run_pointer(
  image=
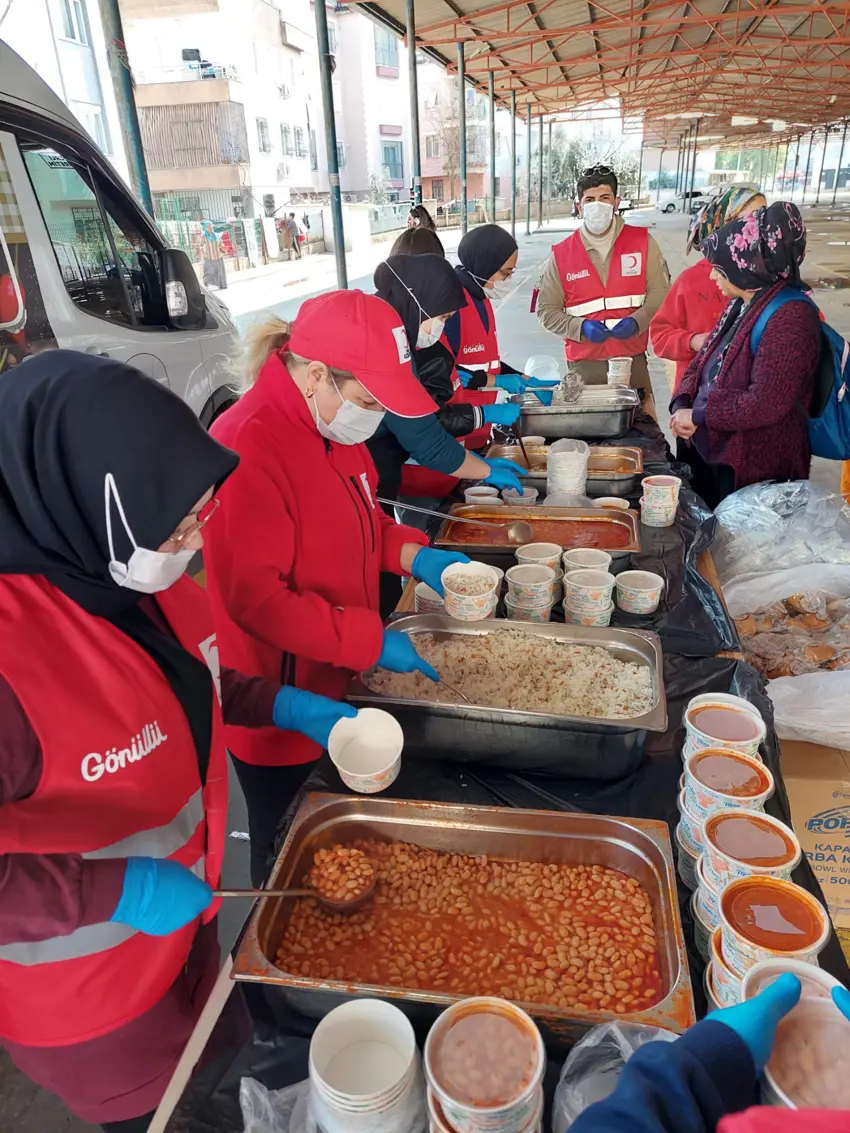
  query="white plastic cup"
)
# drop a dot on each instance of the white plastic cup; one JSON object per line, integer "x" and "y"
{"x": 708, "y": 898}
{"x": 657, "y": 515}
{"x": 639, "y": 591}
{"x": 702, "y": 930}
{"x": 588, "y": 590}
{"x": 686, "y": 861}
{"x": 691, "y": 824}
{"x": 616, "y": 502}
{"x": 696, "y": 739}
{"x": 527, "y": 613}
{"x": 548, "y": 553}
{"x": 702, "y": 799}
{"x": 619, "y": 371}
{"x": 721, "y": 868}
{"x": 727, "y": 982}
{"x": 535, "y": 442}
{"x": 600, "y": 617}
{"x": 661, "y": 490}
{"x": 513, "y": 498}
{"x": 479, "y": 494}
{"x": 580, "y": 558}
{"x": 741, "y": 953}
{"x": 469, "y": 607}
{"x": 426, "y": 600}
{"x": 531, "y": 584}
{"x": 366, "y": 750}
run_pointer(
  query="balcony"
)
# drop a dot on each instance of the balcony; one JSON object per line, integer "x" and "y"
{"x": 187, "y": 84}
{"x": 202, "y": 71}
{"x": 155, "y": 9}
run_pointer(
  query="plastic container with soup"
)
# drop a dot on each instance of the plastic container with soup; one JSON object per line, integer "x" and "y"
{"x": 720, "y": 718}
{"x": 746, "y": 843}
{"x": 763, "y": 918}
{"x": 722, "y": 777}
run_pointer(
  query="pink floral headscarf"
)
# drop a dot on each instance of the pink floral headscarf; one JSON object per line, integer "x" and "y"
{"x": 760, "y": 249}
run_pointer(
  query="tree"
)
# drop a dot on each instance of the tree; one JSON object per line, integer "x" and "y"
{"x": 570, "y": 157}
{"x": 756, "y": 164}
{"x": 443, "y": 119}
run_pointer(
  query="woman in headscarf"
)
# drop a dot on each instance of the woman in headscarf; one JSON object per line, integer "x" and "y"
{"x": 740, "y": 416}
{"x": 693, "y": 304}
{"x": 113, "y": 781}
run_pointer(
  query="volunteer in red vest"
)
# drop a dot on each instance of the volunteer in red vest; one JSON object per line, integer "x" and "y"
{"x": 113, "y": 779}
{"x": 488, "y": 258}
{"x": 294, "y": 561}
{"x": 602, "y": 285}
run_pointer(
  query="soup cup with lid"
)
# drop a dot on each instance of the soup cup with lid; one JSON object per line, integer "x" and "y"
{"x": 746, "y": 843}
{"x": 723, "y": 778}
{"x": 707, "y": 897}
{"x": 721, "y": 718}
{"x": 764, "y": 918}
{"x": 727, "y": 982}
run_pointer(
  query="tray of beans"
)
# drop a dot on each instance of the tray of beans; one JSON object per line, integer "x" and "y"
{"x": 573, "y": 917}
{"x": 341, "y": 873}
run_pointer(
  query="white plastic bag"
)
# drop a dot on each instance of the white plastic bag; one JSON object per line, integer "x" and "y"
{"x": 814, "y": 707}
{"x": 276, "y": 1111}
{"x": 593, "y": 1066}
{"x": 750, "y": 592}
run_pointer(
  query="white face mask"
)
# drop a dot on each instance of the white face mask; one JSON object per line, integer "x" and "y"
{"x": 352, "y": 424}
{"x": 597, "y": 217}
{"x": 146, "y": 571}
{"x": 497, "y": 290}
{"x": 428, "y": 338}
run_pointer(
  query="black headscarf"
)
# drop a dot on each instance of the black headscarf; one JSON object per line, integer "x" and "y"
{"x": 409, "y": 283}
{"x": 482, "y": 252}
{"x": 761, "y": 249}
{"x": 66, "y": 420}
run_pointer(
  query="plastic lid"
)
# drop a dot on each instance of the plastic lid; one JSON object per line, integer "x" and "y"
{"x": 816, "y": 983}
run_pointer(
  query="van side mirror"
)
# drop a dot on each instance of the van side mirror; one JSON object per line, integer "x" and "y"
{"x": 187, "y": 304}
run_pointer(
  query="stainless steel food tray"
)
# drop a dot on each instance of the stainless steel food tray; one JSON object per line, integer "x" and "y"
{"x": 582, "y": 746}
{"x": 599, "y": 411}
{"x": 451, "y": 537}
{"x": 601, "y": 479}
{"x": 638, "y": 847}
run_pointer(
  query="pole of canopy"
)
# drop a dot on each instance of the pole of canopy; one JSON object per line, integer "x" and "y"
{"x": 808, "y": 166}
{"x": 528, "y": 170}
{"x": 840, "y": 159}
{"x": 491, "y": 91}
{"x": 685, "y": 169}
{"x": 549, "y": 175}
{"x": 796, "y": 164}
{"x": 678, "y": 164}
{"x": 513, "y": 164}
{"x": 660, "y": 163}
{"x": 540, "y": 171}
{"x": 413, "y": 95}
{"x": 330, "y": 141}
{"x": 822, "y": 163}
{"x": 694, "y": 162}
{"x": 461, "y": 125}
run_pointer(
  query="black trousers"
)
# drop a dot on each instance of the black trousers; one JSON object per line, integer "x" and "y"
{"x": 132, "y": 1125}
{"x": 268, "y": 792}
{"x": 713, "y": 482}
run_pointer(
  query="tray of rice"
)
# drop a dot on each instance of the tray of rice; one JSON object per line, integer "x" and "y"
{"x": 544, "y": 696}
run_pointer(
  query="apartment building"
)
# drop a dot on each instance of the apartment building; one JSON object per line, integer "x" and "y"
{"x": 229, "y": 104}
{"x": 63, "y": 41}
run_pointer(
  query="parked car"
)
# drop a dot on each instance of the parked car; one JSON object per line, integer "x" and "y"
{"x": 83, "y": 266}
{"x": 695, "y": 198}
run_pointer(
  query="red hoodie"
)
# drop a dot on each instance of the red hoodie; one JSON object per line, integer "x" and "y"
{"x": 772, "y": 1119}
{"x": 692, "y": 306}
{"x": 294, "y": 560}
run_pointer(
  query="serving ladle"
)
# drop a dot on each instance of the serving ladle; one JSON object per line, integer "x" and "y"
{"x": 331, "y": 905}
{"x": 519, "y": 531}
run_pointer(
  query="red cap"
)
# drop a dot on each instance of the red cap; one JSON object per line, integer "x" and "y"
{"x": 360, "y": 333}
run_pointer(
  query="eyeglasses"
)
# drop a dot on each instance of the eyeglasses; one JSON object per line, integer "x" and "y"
{"x": 598, "y": 171}
{"x": 201, "y": 519}
{"x": 506, "y": 273}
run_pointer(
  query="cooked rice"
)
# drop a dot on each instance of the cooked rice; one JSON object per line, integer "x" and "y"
{"x": 469, "y": 585}
{"x": 512, "y": 669}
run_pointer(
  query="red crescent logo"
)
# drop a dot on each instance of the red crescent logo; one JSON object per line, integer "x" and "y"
{"x": 631, "y": 260}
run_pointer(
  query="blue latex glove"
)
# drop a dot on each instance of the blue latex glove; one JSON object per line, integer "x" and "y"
{"x": 755, "y": 1021}
{"x": 625, "y": 328}
{"x": 465, "y": 377}
{"x": 399, "y": 656}
{"x": 544, "y": 396}
{"x": 595, "y": 331}
{"x": 501, "y": 414}
{"x": 513, "y": 383}
{"x": 504, "y": 474}
{"x": 841, "y": 999}
{"x": 296, "y": 710}
{"x": 543, "y": 383}
{"x": 430, "y": 564}
{"x": 160, "y": 896}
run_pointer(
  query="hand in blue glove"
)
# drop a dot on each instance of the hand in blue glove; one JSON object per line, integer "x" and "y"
{"x": 399, "y": 656}
{"x": 160, "y": 896}
{"x": 543, "y": 383}
{"x": 841, "y": 999}
{"x": 501, "y": 414}
{"x": 513, "y": 383}
{"x": 756, "y": 1020}
{"x": 544, "y": 396}
{"x": 296, "y": 710}
{"x": 625, "y": 328}
{"x": 504, "y": 474}
{"x": 595, "y": 331}
{"x": 465, "y": 377}
{"x": 430, "y": 564}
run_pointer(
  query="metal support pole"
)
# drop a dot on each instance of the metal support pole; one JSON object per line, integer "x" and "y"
{"x": 528, "y": 170}
{"x": 808, "y": 166}
{"x": 784, "y": 164}
{"x": 540, "y": 172}
{"x": 122, "y": 82}
{"x": 685, "y": 169}
{"x": 461, "y": 125}
{"x": 796, "y": 163}
{"x": 513, "y": 163}
{"x": 679, "y": 156}
{"x": 492, "y": 95}
{"x": 549, "y": 175}
{"x": 822, "y": 162}
{"x": 660, "y": 163}
{"x": 840, "y": 159}
{"x": 413, "y": 95}
{"x": 694, "y": 161}
{"x": 330, "y": 142}
{"x": 640, "y": 169}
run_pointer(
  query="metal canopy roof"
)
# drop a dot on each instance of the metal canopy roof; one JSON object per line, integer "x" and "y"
{"x": 667, "y": 61}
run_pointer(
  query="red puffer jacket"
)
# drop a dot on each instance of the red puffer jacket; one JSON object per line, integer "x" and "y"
{"x": 293, "y": 556}
{"x": 692, "y": 306}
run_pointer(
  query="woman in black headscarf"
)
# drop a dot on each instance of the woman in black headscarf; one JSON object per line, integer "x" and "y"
{"x": 113, "y": 781}
{"x": 740, "y": 414}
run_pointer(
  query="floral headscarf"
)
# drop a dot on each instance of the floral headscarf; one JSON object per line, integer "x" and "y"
{"x": 717, "y": 212}
{"x": 760, "y": 249}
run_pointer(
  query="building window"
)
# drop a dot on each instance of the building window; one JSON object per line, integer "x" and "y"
{"x": 437, "y": 191}
{"x": 91, "y": 117}
{"x": 286, "y": 141}
{"x": 268, "y": 204}
{"x": 497, "y": 186}
{"x": 74, "y": 21}
{"x": 264, "y": 142}
{"x": 391, "y": 161}
{"x": 300, "y": 144}
{"x": 386, "y": 47}
{"x": 340, "y": 155}
{"x": 432, "y": 146}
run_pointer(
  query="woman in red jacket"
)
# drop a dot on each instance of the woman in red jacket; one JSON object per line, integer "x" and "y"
{"x": 294, "y": 563}
{"x": 693, "y": 304}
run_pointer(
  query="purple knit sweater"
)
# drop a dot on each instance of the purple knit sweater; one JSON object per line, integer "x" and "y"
{"x": 753, "y": 413}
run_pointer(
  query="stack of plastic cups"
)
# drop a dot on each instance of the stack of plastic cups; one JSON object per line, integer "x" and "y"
{"x": 365, "y": 1074}
{"x": 531, "y": 592}
{"x": 426, "y": 600}
{"x": 470, "y": 607}
{"x": 660, "y": 500}
{"x": 566, "y": 468}
{"x": 480, "y": 494}
{"x": 522, "y": 1113}
{"x": 619, "y": 371}
{"x": 753, "y": 730}
{"x": 587, "y": 597}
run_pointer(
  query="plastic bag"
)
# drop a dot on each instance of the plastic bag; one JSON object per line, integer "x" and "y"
{"x": 765, "y": 527}
{"x": 751, "y": 592}
{"x": 543, "y": 366}
{"x": 813, "y": 707}
{"x": 276, "y": 1111}
{"x": 570, "y": 388}
{"x": 593, "y": 1066}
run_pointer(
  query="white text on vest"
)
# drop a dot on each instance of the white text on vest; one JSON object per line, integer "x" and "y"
{"x": 143, "y": 743}
{"x": 473, "y": 349}
{"x": 571, "y": 275}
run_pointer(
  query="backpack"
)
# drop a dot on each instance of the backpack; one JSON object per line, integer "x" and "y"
{"x": 829, "y": 410}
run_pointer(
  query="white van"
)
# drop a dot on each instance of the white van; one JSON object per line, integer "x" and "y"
{"x": 83, "y": 266}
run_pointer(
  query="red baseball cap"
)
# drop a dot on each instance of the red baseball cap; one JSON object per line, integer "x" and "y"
{"x": 360, "y": 333}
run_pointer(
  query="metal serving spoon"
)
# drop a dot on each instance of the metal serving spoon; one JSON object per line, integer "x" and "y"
{"x": 519, "y": 531}
{"x": 332, "y": 906}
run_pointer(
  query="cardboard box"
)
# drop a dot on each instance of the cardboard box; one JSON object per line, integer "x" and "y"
{"x": 818, "y": 782}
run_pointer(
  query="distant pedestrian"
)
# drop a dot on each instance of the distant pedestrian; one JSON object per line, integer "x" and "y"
{"x": 291, "y": 226}
{"x": 419, "y": 217}
{"x": 215, "y": 274}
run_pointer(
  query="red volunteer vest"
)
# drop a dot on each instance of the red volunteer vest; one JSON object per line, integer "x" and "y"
{"x": 120, "y": 778}
{"x": 587, "y": 298}
{"x": 478, "y": 349}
